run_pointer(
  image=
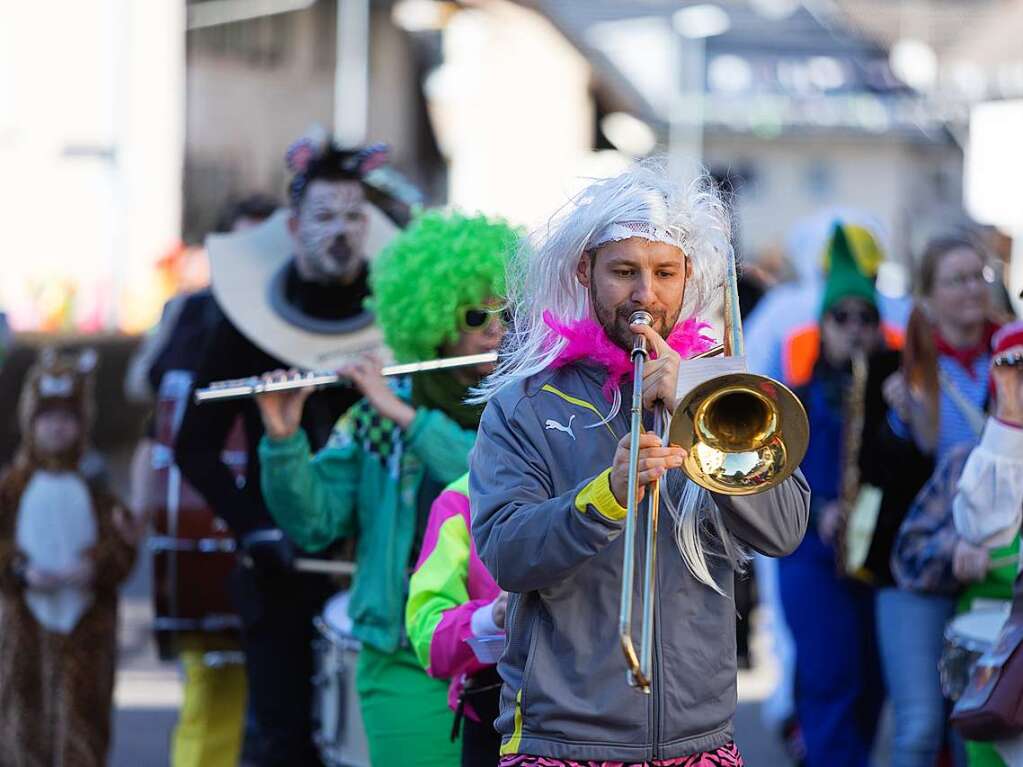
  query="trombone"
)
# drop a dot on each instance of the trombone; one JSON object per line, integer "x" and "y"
{"x": 640, "y": 666}
{"x": 743, "y": 434}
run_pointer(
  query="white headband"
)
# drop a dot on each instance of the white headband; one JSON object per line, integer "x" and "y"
{"x": 623, "y": 230}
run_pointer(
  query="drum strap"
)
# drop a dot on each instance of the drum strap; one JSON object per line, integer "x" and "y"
{"x": 485, "y": 682}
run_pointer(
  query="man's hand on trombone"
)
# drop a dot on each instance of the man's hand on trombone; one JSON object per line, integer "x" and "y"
{"x": 660, "y": 375}
{"x": 654, "y": 462}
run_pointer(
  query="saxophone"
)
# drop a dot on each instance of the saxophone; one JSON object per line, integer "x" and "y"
{"x": 849, "y": 488}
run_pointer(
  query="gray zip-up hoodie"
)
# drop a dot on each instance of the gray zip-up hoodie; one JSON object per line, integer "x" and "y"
{"x": 549, "y": 530}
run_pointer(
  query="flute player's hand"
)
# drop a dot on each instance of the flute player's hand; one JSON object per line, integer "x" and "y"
{"x": 365, "y": 374}
{"x": 281, "y": 411}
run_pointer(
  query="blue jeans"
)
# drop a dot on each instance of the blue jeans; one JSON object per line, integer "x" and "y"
{"x": 910, "y": 629}
{"x": 838, "y": 688}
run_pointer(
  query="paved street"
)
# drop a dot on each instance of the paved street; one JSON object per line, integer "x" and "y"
{"x": 148, "y": 692}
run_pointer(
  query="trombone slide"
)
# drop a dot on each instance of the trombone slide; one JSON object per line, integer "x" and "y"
{"x": 640, "y": 664}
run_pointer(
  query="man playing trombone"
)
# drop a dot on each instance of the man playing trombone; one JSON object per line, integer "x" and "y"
{"x": 550, "y": 485}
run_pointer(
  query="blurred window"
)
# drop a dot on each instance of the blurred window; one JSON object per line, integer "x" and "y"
{"x": 260, "y": 42}
{"x": 325, "y": 43}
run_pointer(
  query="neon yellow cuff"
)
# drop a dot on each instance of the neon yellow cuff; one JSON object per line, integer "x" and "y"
{"x": 598, "y": 495}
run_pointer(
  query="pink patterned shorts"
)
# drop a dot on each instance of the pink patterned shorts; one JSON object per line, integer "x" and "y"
{"x": 726, "y": 756}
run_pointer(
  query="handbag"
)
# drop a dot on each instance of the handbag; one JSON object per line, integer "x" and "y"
{"x": 991, "y": 707}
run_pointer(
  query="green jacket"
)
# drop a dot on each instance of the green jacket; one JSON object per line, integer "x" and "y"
{"x": 365, "y": 482}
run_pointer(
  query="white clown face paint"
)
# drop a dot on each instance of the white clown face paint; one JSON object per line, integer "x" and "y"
{"x": 329, "y": 230}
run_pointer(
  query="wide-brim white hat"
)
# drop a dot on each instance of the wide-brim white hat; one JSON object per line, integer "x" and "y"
{"x": 248, "y": 272}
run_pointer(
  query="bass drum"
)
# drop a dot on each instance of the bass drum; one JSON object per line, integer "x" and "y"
{"x": 193, "y": 550}
{"x": 337, "y": 719}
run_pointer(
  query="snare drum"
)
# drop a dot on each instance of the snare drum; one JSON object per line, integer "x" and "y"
{"x": 967, "y": 637}
{"x": 337, "y": 719}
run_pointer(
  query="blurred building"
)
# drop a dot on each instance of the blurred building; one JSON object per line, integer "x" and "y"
{"x": 505, "y": 106}
{"x": 958, "y": 50}
{"x": 169, "y": 109}
{"x": 261, "y": 73}
{"x": 796, "y": 109}
{"x": 91, "y": 118}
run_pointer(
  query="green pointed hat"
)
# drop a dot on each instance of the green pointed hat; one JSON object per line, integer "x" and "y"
{"x": 844, "y": 280}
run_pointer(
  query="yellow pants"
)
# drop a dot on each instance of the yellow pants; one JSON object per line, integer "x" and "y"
{"x": 212, "y": 718}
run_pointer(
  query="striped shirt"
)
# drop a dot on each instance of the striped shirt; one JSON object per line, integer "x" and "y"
{"x": 953, "y": 425}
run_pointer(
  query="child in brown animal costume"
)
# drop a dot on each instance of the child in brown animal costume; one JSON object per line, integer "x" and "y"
{"x": 62, "y": 556}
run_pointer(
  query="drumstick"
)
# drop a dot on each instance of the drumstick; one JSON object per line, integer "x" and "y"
{"x": 326, "y": 566}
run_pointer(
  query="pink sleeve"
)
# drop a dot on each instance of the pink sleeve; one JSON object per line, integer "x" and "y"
{"x": 448, "y": 586}
{"x": 450, "y": 655}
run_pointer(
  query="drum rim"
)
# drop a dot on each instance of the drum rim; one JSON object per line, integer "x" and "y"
{"x": 955, "y": 633}
{"x": 338, "y": 638}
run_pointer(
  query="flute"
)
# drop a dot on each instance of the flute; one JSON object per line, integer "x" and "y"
{"x": 241, "y": 388}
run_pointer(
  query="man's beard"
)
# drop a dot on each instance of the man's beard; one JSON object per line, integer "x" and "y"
{"x": 615, "y": 320}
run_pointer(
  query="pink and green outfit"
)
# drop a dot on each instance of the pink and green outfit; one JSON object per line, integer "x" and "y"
{"x": 451, "y": 600}
{"x": 450, "y": 593}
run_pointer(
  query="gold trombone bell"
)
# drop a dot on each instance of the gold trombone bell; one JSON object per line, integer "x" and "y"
{"x": 744, "y": 433}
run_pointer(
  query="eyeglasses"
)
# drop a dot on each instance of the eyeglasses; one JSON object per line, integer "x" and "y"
{"x": 477, "y": 319}
{"x": 964, "y": 279}
{"x": 862, "y": 316}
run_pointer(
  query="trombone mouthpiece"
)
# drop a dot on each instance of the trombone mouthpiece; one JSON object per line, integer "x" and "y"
{"x": 641, "y": 318}
{"x": 639, "y": 343}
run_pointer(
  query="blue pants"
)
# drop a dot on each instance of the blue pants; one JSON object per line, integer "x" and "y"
{"x": 911, "y": 630}
{"x": 838, "y": 688}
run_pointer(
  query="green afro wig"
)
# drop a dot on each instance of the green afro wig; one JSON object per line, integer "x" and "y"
{"x": 442, "y": 262}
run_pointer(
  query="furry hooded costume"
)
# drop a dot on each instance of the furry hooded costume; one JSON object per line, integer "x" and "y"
{"x": 58, "y": 646}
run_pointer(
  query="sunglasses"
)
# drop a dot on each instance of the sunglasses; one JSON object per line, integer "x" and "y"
{"x": 862, "y": 316}
{"x": 476, "y": 319}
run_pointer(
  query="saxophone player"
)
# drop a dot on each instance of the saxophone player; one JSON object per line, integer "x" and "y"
{"x": 832, "y": 616}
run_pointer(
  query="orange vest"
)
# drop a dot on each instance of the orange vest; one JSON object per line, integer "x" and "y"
{"x": 802, "y": 347}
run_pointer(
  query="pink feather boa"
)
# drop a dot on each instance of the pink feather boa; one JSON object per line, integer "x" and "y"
{"x": 587, "y": 340}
